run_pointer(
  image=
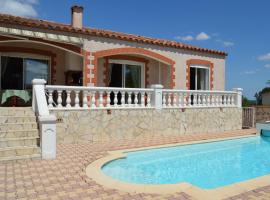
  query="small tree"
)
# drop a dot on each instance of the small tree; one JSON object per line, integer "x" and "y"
{"x": 245, "y": 102}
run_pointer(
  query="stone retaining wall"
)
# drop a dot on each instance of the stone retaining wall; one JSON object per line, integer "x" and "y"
{"x": 262, "y": 113}
{"x": 103, "y": 125}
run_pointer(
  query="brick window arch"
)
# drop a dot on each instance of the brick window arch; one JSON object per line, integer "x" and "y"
{"x": 133, "y": 51}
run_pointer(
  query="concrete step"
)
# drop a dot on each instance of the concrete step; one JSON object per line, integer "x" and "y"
{"x": 19, "y": 133}
{"x": 21, "y": 141}
{"x": 17, "y": 158}
{"x": 18, "y": 126}
{"x": 19, "y": 151}
{"x": 16, "y": 111}
{"x": 17, "y": 119}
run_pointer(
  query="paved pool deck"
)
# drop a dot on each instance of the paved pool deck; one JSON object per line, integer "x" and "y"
{"x": 65, "y": 177}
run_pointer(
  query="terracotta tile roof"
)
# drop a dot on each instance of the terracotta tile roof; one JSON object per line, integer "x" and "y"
{"x": 43, "y": 24}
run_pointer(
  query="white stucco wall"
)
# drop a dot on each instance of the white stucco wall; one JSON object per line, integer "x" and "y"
{"x": 180, "y": 57}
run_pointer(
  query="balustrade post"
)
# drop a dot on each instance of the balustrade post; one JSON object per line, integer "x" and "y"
{"x": 238, "y": 98}
{"x": 157, "y": 97}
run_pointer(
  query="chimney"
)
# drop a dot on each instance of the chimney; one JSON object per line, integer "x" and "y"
{"x": 77, "y": 16}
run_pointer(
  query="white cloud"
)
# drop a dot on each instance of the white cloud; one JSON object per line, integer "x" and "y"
{"x": 264, "y": 57}
{"x": 225, "y": 43}
{"x": 19, "y": 7}
{"x": 267, "y": 65}
{"x": 185, "y": 38}
{"x": 202, "y": 36}
{"x": 228, "y": 44}
{"x": 250, "y": 72}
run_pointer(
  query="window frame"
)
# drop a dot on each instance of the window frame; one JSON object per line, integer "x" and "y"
{"x": 127, "y": 62}
{"x": 196, "y": 66}
{"x": 25, "y": 56}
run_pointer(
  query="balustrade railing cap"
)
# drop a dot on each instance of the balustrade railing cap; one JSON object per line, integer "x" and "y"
{"x": 238, "y": 89}
{"x": 38, "y": 82}
{"x": 157, "y": 86}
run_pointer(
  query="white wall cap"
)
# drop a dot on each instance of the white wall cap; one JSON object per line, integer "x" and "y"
{"x": 238, "y": 89}
{"x": 47, "y": 118}
{"x": 157, "y": 86}
{"x": 38, "y": 82}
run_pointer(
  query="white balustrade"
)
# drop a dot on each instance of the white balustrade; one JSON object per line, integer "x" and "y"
{"x": 198, "y": 98}
{"x": 74, "y": 97}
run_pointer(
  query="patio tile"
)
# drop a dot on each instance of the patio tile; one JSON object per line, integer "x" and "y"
{"x": 65, "y": 178}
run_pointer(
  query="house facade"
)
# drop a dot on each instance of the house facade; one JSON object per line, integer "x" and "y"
{"x": 75, "y": 55}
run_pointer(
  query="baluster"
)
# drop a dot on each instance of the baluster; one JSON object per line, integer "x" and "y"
{"x": 169, "y": 99}
{"x": 185, "y": 99}
{"x": 164, "y": 100}
{"x": 122, "y": 99}
{"x": 93, "y": 99}
{"x": 100, "y": 101}
{"x": 115, "y": 100}
{"x": 180, "y": 96}
{"x": 217, "y": 100}
{"x": 189, "y": 99}
{"x": 85, "y": 105}
{"x": 174, "y": 99}
{"x": 203, "y": 100}
{"x": 149, "y": 99}
{"x": 59, "y": 98}
{"x": 129, "y": 99}
{"x": 233, "y": 100}
{"x": 225, "y": 101}
{"x": 77, "y": 100}
{"x": 229, "y": 99}
{"x": 108, "y": 99}
{"x": 199, "y": 99}
{"x": 208, "y": 100}
{"x": 142, "y": 100}
{"x": 220, "y": 100}
{"x": 213, "y": 102}
{"x": 211, "y": 99}
{"x": 136, "y": 99}
{"x": 195, "y": 95}
{"x": 68, "y": 101}
{"x": 50, "y": 100}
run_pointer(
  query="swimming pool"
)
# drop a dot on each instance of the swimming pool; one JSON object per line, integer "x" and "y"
{"x": 206, "y": 165}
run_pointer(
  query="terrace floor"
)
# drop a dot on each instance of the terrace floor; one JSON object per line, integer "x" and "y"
{"x": 65, "y": 178}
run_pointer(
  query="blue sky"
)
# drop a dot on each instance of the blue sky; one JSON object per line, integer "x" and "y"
{"x": 241, "y": 28}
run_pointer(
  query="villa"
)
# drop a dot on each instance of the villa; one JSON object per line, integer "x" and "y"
{"x": 78, "y": 57}
{"x": 82, "y": 99}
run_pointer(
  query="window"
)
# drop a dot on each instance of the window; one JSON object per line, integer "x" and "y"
{"x": 199, "y": 77}
{"x": 126, "y": 74}
{"x": 35, "y": 68}
{"x": 18, "y": 72}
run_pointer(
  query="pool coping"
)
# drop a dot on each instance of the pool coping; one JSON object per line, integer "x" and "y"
{"x": 94, "y": 171}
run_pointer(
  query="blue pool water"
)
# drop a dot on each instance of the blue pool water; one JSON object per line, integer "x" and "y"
{"x": 206, "y": 165}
